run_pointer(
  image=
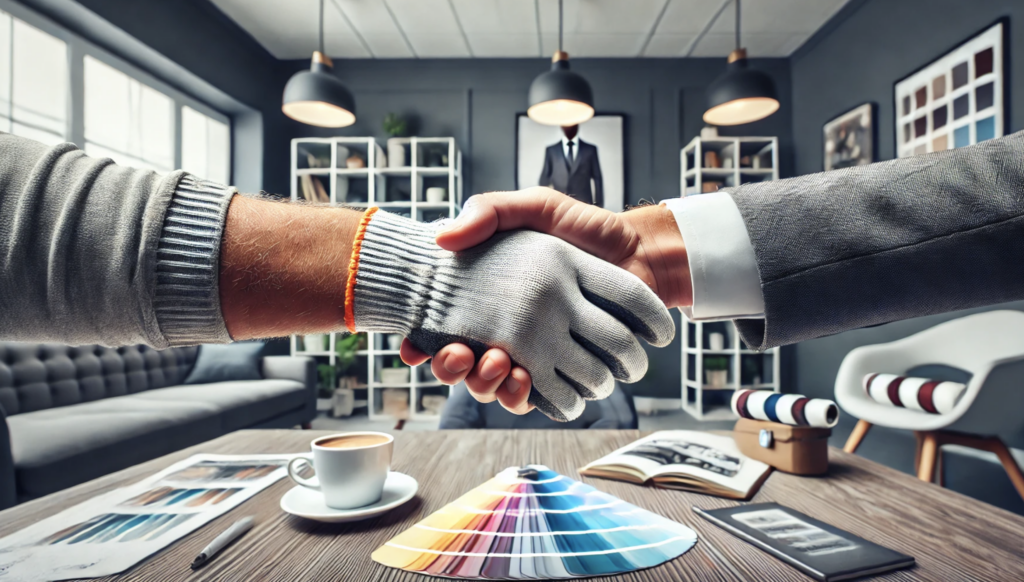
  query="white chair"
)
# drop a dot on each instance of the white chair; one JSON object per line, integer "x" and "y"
{"x": 990, "y": 346}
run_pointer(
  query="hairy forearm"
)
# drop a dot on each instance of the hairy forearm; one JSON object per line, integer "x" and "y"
{"x": 283, "y": 268}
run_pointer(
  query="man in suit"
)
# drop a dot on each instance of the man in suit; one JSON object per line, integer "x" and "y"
{"x": 789, "y": 260}
{"x": 571, "y": 165}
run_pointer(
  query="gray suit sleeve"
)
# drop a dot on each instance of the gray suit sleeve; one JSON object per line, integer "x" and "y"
{"x": 93, "y": 252}
{"x": 889, "y": 241}
{"x": 545, "y": 173}
{"x": 598, "y": 181}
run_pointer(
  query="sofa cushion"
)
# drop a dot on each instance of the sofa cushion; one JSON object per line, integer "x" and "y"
{"x": 221, "y": 363}
{"x": 60, "y": 447}
{"x": 240, "y": 404}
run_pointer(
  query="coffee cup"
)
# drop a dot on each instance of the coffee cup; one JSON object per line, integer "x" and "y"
{"x": 350, "y": 468}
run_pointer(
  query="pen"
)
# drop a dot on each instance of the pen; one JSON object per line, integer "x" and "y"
{"x": 231, "y": 534}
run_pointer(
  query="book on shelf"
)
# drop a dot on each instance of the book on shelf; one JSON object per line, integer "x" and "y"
{"x": 683, "y": 459}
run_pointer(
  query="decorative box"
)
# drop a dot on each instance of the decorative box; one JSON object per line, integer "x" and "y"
{"x": 801, "y": 450}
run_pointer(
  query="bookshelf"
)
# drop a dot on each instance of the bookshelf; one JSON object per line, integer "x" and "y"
{"x": 321, "y": 172}
{"x": 712, "y": 372}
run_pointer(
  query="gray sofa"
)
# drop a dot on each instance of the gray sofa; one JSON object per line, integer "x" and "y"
{"x": 71, "y": 414}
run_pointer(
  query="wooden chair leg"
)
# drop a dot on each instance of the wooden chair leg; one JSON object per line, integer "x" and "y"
{"x": 918, "y": 438}
{"x": 1009, "y": 463}
{"x": 856, "y": 436}
{"x": 940, "y": 472}
{"x": 929, "y": 450}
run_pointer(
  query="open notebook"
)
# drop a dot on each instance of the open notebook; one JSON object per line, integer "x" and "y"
{"x": 684, "y": 459}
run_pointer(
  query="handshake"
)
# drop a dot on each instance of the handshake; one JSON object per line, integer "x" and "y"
{"x": 532, "y": 298}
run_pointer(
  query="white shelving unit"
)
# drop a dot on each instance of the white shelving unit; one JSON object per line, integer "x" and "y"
{"x": 747, "y": 369}
{"x": 763, "y": 153}
{"x": 433, "y": 162}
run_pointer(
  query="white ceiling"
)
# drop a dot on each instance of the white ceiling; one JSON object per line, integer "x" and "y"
{"x": 528, "y": 28}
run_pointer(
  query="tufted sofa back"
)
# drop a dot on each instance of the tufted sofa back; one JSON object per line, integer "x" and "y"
{"x": 38, "y": 376}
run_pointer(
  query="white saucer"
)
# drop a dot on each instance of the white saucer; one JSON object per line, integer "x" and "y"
{"x": 308, "y": 503}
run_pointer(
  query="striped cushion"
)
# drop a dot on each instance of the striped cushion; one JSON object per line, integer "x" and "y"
{"x": 933, "y": 396}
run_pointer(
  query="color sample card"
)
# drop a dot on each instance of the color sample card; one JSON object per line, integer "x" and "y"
{"x": 532, "y": 523}
{"x": 954, "y": 101}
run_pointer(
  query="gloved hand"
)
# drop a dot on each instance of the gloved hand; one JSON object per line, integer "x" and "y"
{"x": 566, "y": 316}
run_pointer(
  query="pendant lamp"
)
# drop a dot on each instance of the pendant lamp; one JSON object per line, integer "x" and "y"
{"x": 741, "y": 95}
{"x": 560, "y": 96}
{"x": 317, "y": 97}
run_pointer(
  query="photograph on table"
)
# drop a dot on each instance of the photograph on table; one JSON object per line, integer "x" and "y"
{"x": 956, "y": 100}
{"x": 118, "y": 527}
{"x": 586, "y": 161}
{"x": 172, "y": 496}
{"x": 850, "y": 138}
{"x": 205, "y": 471}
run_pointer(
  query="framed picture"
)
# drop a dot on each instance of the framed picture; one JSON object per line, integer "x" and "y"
{"x": 850, "y": 138}
{"x": 597, "y": 172}
{"x": 956, "y": 100}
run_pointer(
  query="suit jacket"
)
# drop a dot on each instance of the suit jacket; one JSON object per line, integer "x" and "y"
{"x": 873, "y": 244}
{"x": 574, "y": 181}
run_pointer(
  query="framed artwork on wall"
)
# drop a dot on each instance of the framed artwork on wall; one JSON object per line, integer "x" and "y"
{"x": 849, "y": 139}
{"x": 955, "y": 100}
{"x": 597, "y": 172}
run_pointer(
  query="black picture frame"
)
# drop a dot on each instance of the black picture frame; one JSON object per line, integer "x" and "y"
{"x": 848, "y": 116}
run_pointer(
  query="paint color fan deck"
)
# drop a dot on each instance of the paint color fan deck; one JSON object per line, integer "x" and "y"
{"x": 530, "y": 523}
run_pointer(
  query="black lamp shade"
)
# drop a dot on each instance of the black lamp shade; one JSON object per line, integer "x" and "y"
{"x": 741, "y": 95}
{"x": 560, "y": 96}
{"x": 317, "y": 97}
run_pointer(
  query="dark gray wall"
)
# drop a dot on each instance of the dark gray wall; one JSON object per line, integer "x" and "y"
{"x": 856, "y": 58}
{"x": 476, "y": 101}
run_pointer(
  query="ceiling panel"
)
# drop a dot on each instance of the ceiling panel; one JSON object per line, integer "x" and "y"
{"x": 668, "y": 45}
{"x": 503, "y": 45}
{"x": 688, "y": 16}
{"x": 438, "y": 45}
{"x": 509, "y": 28}
{"x": 497, "y": 16}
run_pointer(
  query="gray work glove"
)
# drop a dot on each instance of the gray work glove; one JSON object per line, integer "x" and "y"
{"x": 566, "y": 316}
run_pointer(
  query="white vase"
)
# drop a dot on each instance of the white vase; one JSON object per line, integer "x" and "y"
{"x": 394, "y": 375}
{"x": 716, "y": 341}
{"x": 342, "y": 402}
{"x": 341, "y": 189}
{"x": 314, "y": 342}
{"x": 436, "y": 194}
{"x": 716, "y": 378}
{"x": 394, "y": 342}
{"x": 342, "y": 155}
{"x": 396, "y": 153}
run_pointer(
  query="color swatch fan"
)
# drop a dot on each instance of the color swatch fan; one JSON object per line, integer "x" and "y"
{"x": 532, "y": 523}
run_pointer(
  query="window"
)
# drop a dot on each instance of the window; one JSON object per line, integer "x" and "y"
{"x": 129, "y": 122}
{"x": 55, "y": 87}
{"x": 33, "y": 82}
{"x": 205, "y": 146}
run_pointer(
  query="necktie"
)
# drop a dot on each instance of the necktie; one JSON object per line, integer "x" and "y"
{"x": 571, "y": 157}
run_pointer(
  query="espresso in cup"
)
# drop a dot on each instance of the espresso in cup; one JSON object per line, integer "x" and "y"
{"x": 350, "y": 468}
{"x": 353, "y": 441}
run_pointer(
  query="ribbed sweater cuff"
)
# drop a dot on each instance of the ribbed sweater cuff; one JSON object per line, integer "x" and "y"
{"x": 397, "y": 262}
{"x": 187, "y": 301}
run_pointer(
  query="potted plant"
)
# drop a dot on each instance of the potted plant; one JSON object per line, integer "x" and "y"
{"x": 716, "y": 371}
{"x": 396, "y": 374}
{"x": 395, "y": 127}
{"x": 343, "y": 399}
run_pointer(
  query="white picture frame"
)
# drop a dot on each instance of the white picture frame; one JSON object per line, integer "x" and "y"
{"x": 605, "y": 131}
{"x": 849, "y": 139}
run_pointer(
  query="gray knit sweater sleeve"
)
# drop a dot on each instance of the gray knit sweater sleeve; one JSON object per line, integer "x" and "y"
{"x": 93, "y": 252}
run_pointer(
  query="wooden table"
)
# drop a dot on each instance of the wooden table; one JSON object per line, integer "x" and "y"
{"x": 953, "y": 537}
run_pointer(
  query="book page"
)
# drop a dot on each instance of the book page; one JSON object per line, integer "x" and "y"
{"x": 704, "y": 457}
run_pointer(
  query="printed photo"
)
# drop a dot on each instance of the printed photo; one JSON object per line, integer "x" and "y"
{"x": 171, "y": 496}
{"x": 674, "y": 452}
{"x": 117, "y": 527}
{"x": 794, "y": 533}
{"x": 227, "y": 471}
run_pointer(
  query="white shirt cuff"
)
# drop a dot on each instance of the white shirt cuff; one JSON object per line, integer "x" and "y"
{"x": 723, "y": 269}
